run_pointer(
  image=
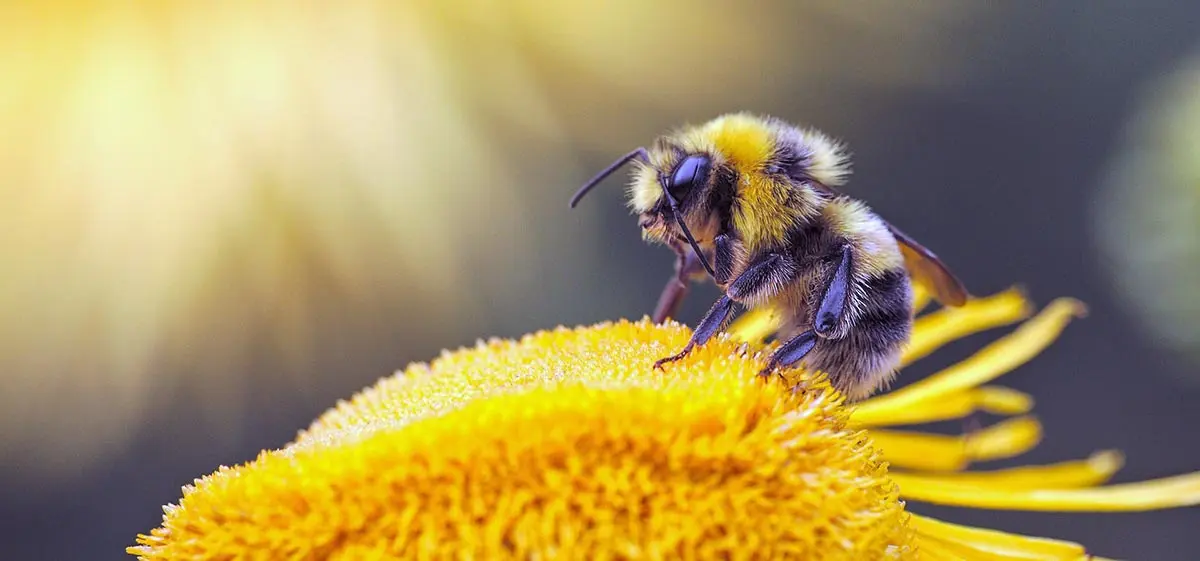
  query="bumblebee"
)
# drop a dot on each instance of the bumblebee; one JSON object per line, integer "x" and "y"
{"x": 752, "y": 202}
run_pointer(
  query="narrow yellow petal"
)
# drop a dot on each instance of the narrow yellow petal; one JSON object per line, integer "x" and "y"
{"x": 932, "y": 550}
{"x": 755, "y": 325}
{"x": 1000, "y": 400}
{"x": 992, "y": 399}
{"x": 1095, "y": 470}
{"x": 1168, "y": 492}
{"x": 994, "y": 360}
{"x": 932, "y": 331}
{"x": 929, "y": 452}
{"x": 979, "y": 543}
{"x": 936, "y": 452}
{"x": 921, "y": 298}
{"x": 1004, "y": 439}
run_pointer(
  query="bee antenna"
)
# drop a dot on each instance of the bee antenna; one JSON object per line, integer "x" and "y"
{"x": 639, "y": 154}
{"x": 687, "y": 233}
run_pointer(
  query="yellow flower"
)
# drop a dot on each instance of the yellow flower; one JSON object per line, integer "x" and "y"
{"x": 566, "y": 443}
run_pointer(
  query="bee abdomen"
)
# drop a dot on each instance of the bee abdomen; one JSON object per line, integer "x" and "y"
{"x": 866, "y": 358}
{"x": 887, "y": 304}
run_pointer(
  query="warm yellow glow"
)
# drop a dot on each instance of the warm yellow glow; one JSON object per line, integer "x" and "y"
{"x": 189, "y": 186}
{"x": 568, "y": 441}
{"x": 182, "y": 180}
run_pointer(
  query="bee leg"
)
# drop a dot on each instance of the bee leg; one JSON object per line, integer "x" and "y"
{"x": 825, "y": 323}
{"x": 670, "y": 299}
{"x": 709, "y": 326}
{"x": 687, "y": 266}
{"x": 759, "y": 281}
{"x": 790, "y": 352}
{"x": 723, "y": 255}
{"x": 833, "y": 301}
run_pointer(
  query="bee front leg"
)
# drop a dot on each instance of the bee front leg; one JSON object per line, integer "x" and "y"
{"x": 670, "y": 299}
{"x": 761, "y": 280}
{"x": 713, "y": 321}
{"x": 687, "y": 267}
{"x": 825, "y": 321}
{"x": 725, "y": 251}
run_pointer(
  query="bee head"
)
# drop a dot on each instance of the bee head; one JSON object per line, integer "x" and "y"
{"x": 676, "y": 200}
{"x": 672, "y": 199}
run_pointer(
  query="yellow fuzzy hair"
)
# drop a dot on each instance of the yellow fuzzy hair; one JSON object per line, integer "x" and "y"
{"x": 766, "y": 209}
{"x": 828, "y": 161}
{"x": 644, "y": 190}
{"x": 743, "y": 141}
{"x": 877, "y": 252}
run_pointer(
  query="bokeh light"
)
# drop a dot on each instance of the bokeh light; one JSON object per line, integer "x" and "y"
{"x": 189, "y": 186}
{"x": 1147, "y": 214}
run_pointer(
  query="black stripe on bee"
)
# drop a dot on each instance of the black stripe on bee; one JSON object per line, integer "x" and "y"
{"x": 886, "y": 313}
{"x": 784, "y": 161}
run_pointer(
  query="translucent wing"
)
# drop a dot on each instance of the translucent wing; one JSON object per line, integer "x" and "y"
{"x": 923, "y": 265}
{"x": 929, "y": 271}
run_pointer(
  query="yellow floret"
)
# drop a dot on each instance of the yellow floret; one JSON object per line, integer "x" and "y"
{"x": 565, "y": 443}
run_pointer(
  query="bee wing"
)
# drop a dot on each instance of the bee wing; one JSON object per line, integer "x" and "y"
{"x": 929, "y": 271}
{"x": 923, "y": 265}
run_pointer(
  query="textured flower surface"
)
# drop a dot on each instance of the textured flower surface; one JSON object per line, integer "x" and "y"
{"x": 568, "y": 444}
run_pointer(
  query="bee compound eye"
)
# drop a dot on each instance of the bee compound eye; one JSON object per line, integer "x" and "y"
{"x": 691, "y": 172}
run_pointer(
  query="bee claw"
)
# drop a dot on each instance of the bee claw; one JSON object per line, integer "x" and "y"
{"x": 658, "y": 364}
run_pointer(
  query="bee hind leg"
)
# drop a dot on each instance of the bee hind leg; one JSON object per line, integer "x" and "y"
{"x": 713, "y": 321}
{"x": 828, "y": 316}
{"x": 791, "y": 352}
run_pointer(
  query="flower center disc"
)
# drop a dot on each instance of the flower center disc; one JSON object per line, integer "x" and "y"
{"x": 565, "y": 443}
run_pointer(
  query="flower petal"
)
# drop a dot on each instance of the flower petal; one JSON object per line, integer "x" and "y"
{"x": 933, "y": 550}
{"x": 1004, "y": 439}
{"x": 755, "y": 325}
{"x": 1095, "y": 470}
{"x": 936, "y": 452}
{"x": 1168, "y": 492}
{"x": 921, "y": 298}
{"x": 992, "y": 399}
{"x": 979, "y": 543}
{"x": 999, "y": 400}
{"x": 1009, "y": 352}
{"x": 932, "y": 331}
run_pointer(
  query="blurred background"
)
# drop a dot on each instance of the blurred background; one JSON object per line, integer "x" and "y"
{"x": 219, "y": 218}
